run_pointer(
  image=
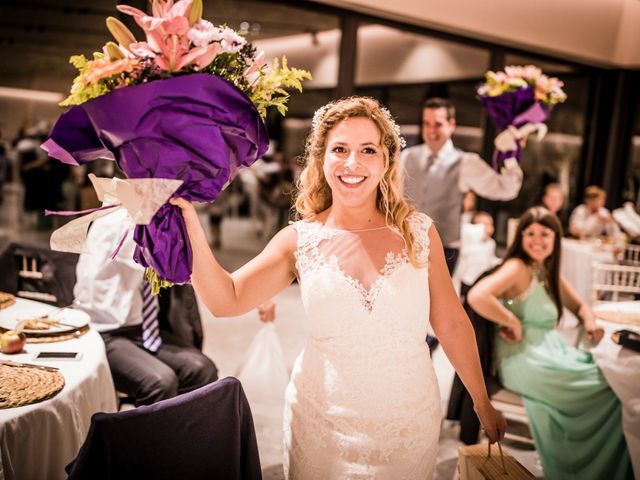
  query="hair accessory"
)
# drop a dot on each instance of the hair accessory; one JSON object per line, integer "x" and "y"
{"x": 319, "y": 114}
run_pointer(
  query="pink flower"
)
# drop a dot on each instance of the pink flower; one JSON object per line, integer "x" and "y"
{"x": 103, "y": 67}
{"x": 167, "y": 34}
{"x": 254, "y": 71}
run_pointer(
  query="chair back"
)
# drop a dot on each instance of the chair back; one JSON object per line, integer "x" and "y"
{"x": 204, "y": 434}
{"x": 614, "y": 282}
{"x": 38, "y": 273}
{"x": 631, "y": 255}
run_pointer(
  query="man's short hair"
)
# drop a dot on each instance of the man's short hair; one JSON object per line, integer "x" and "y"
{"x": 593, "y": 192}
{"x": 434, "y": 103}
{"x": 552, "y": 186}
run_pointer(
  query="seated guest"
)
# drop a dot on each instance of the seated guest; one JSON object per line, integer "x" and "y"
{"x": 629, "y": 220}
{"x": 553, "y": 198}
{"x": 575, "y": 418}
{"x": 477, "y": 250}
{"x": 591, "y": 219}
{"x": 147, "y": 364}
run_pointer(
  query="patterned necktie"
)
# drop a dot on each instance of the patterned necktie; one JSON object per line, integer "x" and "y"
{"x": 430, "y": 161}
{"x": 150, "y": 326}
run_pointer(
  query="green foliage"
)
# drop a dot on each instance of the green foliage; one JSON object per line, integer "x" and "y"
{"x": 81, "y": 90}
{"x": 270, "y": 89}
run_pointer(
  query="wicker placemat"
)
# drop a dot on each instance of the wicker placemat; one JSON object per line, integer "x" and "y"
{"x": 50, "y": 338}
{"x": 6, "y": 300}
{"x": 25, "y": 385}
{"x": 628, "y": 318}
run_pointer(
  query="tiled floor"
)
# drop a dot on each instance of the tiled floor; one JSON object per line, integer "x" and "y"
{"x": 227, "y": 340}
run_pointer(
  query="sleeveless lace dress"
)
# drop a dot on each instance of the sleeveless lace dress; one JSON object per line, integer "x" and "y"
{"x": 363, "y": 400}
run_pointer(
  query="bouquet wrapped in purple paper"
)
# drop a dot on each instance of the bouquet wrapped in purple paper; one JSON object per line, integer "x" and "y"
{"x": 518, "y": 102}
{"x": 187, "y": 104}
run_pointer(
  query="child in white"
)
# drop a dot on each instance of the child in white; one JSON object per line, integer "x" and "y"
{"x": 477, "y": 250}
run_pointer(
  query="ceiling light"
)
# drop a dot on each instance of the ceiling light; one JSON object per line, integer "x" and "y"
{"x": 33, "y": 95}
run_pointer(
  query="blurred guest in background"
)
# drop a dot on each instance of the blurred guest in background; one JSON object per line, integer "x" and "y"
{"x": 146, "y": 363}
{"x": 629, "y": 220}
{"x": 553, "y": 198}
{"x": 468, "y": 207}
{"x": 592, "y": 219}
{"x": 437, "y": 175}
{"x": 477, "y": 252}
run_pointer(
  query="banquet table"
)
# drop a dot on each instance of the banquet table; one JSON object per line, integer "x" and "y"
{"x": 576, "y": 260}
{"x": 621, "y": 367}
{"x": 38, "y": 440}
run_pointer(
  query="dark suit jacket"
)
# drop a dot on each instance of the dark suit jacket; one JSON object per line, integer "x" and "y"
{"x": 179, "y": 314}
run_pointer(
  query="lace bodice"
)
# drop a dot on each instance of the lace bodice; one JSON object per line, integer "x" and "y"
{"x": 364, "y": 387}
{"x": 365, "y": 259}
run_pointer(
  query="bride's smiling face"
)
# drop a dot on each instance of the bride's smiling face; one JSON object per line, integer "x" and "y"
{"x": 354, "y": 161}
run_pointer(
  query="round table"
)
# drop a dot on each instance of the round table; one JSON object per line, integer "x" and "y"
{"x": 39, "y": 440}
{"x": 620, "y": 366}
{"x": 576, "y": 263}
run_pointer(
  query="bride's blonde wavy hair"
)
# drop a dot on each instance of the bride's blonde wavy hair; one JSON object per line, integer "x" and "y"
{"x": 314, "y": 194}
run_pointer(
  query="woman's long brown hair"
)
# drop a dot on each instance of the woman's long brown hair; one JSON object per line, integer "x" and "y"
{"x": 552, "y": 263}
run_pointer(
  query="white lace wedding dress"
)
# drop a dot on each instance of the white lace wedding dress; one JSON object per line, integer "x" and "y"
{"x": 363, "y": 400}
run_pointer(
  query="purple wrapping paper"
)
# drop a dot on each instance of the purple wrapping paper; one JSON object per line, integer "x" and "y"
{"x": 513, "y": 108}
{"x": 197, "y": 128}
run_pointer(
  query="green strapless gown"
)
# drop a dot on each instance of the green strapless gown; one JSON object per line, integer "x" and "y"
{"x": 575, "y": 418}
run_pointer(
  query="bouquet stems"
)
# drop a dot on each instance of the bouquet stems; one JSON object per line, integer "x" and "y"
{"x": 156, "y": 282}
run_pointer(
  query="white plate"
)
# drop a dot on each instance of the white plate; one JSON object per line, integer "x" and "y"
{"x": 9, "y": 317}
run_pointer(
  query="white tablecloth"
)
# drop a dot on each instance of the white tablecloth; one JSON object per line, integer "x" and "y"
{"x": 576, "y": 259}
{"x": 37, "y": 441}
{"x": 621, "y": 368}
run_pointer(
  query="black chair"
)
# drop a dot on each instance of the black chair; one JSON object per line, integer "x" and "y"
{"x": 38, "y": 273}
{"x": 204, "y": 434}
{"x": 509, "y": 403}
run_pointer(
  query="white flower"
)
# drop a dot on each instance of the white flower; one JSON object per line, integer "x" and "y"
{"x": 204, "y": 33}
{"x": 231, "y": 41}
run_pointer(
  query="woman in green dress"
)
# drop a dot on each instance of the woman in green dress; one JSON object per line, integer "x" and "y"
{"x": 575, "y": 418}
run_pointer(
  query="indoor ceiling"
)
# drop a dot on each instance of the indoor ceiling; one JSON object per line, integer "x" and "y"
{"x": 37, "y": 37}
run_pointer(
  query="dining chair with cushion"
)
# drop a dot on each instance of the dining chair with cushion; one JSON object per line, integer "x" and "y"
{"x": 204, "y": 434}
{"x": 614, "y": 282}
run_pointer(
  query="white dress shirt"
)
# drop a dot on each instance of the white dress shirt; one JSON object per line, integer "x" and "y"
{"x": 109, "y": 290}
{"x": 475, "y": 173}
{"x": 592, "y": 224}
{"x": 628, "y": 219}
{"x": 477, "y": 253}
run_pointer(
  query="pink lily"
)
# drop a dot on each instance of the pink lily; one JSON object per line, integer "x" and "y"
{"x": 167, "y": 36}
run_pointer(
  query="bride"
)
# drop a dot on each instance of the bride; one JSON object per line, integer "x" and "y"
{"x": 363, "y": 400}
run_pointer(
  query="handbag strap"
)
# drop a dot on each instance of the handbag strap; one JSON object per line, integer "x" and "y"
{"x": 504, "y": 468}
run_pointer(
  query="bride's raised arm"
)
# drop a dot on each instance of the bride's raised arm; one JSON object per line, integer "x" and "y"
{"x": 230, "y": 294}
